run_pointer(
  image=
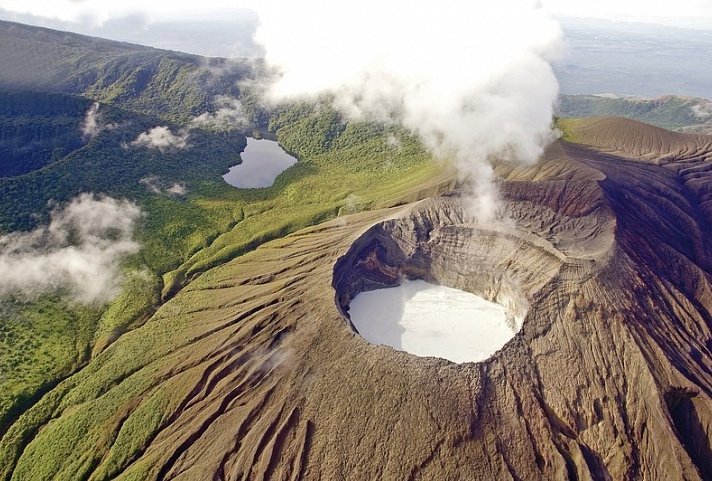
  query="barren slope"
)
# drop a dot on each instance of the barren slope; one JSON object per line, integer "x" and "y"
{"x": 637, "y": 140}
{"x": 254, "y": 372}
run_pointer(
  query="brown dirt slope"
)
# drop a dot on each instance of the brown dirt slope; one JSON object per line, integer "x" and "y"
{"x": 640, "y": 141}
{"x": 254, "y": 373}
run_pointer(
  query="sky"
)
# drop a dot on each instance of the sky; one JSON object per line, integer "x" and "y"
{"x": 182, "y": 25}
{"x": 681, "y": 13}
{"x": 663, "y": 11}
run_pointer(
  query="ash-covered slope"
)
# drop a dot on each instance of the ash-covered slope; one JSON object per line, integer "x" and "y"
{"x": 253, "y": 371}
{"x": 640, "y": 141}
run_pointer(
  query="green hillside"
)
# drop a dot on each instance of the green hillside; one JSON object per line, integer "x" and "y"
{"x": 170, "y": 85}
{"x": 37, "y": 129}
{"x": 685, "y": 114}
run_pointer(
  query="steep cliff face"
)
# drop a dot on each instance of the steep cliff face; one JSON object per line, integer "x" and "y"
{"x": 254, "y": 371}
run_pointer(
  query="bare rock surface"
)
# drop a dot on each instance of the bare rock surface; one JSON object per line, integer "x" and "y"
{"x": 259, "y": 375}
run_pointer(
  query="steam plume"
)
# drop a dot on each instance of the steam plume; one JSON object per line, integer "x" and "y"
{"x": 473, "y": 80}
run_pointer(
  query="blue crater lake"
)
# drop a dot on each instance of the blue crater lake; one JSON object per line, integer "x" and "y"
{"x": 262, "y": 161}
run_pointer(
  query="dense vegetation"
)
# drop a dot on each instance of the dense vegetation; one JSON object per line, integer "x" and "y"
{"x": 44, "y": 340}
{"x": 170, "y": 85}
{"x": 37, "y": 129}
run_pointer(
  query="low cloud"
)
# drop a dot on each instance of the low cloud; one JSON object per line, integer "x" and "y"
{"x": 393, "y": 142}
{"x": 79, "y": 252}
{"x": 177, "y": 189}
{"x": 156, "y": 185}
{"x": 151, "y": 183}
{"x": 702, "y": 110}
{"x": 93, "y": 124}
{"x": 229, "y": 115}
{"x": 161, "y": 138}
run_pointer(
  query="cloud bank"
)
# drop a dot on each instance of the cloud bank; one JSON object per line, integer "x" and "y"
{"x": 161, "y": 138}
{"x": 472, "y": 80}
{"x": 228, "y": 115}
{"x": 78, "y": 252}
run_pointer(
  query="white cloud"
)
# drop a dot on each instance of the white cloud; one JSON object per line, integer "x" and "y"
{"x": 151, "y": 183}
{"x": 229, "y": 115}
{"x": 80, "y": 251}
{"x": 702, "y": 110}
{"x": 177, "y": 189}
{"x": 161, "y": 138}
{"x": 393, "y": 142}
{"x": 90, "y": 125}
{"x": 156, "y": 185}
{"x": 99, "y": 11}
{"x": 93, "y": 123}
{"x": 473, "y": 80}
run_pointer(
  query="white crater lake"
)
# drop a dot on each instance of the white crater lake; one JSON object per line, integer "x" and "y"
{"x": 262, "y": 161}
{"x": 430, "y": 320}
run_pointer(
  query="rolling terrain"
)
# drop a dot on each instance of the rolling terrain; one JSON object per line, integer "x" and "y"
{"x": 171, "y": 85}
{"x": 672, "y": 112}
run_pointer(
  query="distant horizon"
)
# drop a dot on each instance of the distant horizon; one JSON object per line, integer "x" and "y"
{"x": 584, "y": 70}
{"x": 229, "y": 32}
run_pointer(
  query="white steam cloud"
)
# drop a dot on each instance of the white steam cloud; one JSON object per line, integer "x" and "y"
{"x": 472, "y": 79}
{"x": 228, "y": 116}
{"x": 161, "y": 138}
{"x": 78, "y": 252}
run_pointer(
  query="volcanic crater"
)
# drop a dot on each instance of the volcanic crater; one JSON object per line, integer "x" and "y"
{"x": 507, "y": 263}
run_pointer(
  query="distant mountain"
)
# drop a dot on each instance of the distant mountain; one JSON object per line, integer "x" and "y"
{"x": 684, "y": 114}
{"x": 172, "y": 85}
